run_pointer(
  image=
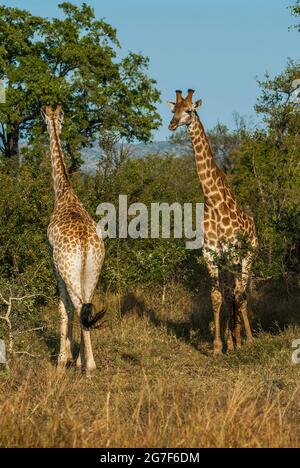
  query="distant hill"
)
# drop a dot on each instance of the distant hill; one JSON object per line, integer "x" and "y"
{"x": 91, "y": 155}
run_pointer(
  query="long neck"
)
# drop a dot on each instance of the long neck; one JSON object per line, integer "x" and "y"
{"x": 60, "y": 177}
{"x": 211, "y": 177}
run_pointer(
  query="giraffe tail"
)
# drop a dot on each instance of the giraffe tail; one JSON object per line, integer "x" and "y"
{"x": 86, "y": 316}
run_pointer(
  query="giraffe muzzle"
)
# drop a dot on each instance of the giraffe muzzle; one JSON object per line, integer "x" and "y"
{"x": 173, "y": 125}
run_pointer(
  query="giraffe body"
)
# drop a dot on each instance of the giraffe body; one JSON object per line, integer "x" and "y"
{"x": 77, "y": 252}
{"x": 79, "y": 264}
{"x": 224, "y": 223}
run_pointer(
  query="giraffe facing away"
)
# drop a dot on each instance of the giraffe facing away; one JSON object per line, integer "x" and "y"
{"x": 224, "y": 224}
{"x": 77, "y": 253}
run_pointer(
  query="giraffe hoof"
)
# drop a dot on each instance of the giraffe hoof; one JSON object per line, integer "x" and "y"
{"x": 217, "y": 353}
{"x": 61, "y": 367}
{"x": 230, "y": 347}
{"x": 250, "y": 341}
{"x": 78, "y": 364}
{"x": 218, "y": 349}
{"x": 89, "y": 373}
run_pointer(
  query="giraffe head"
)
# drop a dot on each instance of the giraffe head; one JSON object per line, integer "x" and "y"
{"x": 55, "y": 117}
{"x": 183, "y": 110}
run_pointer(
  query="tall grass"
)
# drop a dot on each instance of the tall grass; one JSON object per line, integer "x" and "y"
{"x": 157, "y": 384}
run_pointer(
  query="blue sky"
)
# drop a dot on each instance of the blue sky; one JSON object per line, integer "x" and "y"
{"x": 217, "y": 47}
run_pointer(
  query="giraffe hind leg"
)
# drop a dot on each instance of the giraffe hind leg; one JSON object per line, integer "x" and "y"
{"x": 227, "y": 278}
{"x": 230, "y": 330}
{"x": 70, "y": 342}
{"x": 66, "y": 339}
{"x": 62, "y": 357}
{"x": 85, "y": 358}
{"x": 90, "y": 277}
{"x": 66, "y": 324}
{"x": 241, "y": 300}
{"x": 73, "y": 280}
{"x": 236, "y": 315}
{"x": 80, "y": 357}
{"x": 81, "y": 284}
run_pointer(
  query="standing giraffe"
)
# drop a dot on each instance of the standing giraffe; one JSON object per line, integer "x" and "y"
{"x": 224, "y": 222}
{"x": 77, "y": 252}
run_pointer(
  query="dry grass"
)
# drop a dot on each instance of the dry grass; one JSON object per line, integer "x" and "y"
{"x": 157, "y": 385}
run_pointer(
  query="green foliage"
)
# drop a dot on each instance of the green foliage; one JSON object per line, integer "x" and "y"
{"x": 27, "y": 201}
{"x": 151, "y": 179}
{"x": 296, "y": 12}
{"x": 230, "y": 257}
{"x": 279, "y": 112}
{"x": 72, "y": 60}
{"x": 267, "y": 175}
{"x": 25, "y": 205}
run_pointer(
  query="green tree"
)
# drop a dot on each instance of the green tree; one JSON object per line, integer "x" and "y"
{"x": 267, "y": 174}
{"x": 296, "y": 12}
{"x": 25, "y": 205}
{"x": 153, "y": 178}
{"x": 73, "y": 60}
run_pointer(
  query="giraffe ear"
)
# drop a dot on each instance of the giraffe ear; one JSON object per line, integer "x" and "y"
{"x": 171, "y": 105}
{"x": 197, "y": 104}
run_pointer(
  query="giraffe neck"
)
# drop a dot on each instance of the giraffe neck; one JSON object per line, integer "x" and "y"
{"x": 210, "y": 175}
{"x": 60, "y": 177}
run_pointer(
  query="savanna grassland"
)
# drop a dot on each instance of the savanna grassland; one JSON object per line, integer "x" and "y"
{"x": 157, "y": 382}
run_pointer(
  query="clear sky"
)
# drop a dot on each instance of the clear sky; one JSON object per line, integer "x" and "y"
{"x": 217, "y": 47}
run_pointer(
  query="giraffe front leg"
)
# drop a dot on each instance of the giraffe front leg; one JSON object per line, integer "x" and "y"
{"x": 244, "y": 314}
{"x": 249, "y": 335}
{"x": 237, "y": 329}
{"x": 216, "y": 299}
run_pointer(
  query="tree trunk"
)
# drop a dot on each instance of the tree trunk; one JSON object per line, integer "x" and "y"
{"x": 13, "y": 142}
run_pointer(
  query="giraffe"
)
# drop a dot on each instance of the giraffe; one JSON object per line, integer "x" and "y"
{"x": 77, "y": 253}
{"x": 224, "y": 223}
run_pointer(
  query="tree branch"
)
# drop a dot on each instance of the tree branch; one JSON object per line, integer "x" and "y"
{"x": 6, "y": 316}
